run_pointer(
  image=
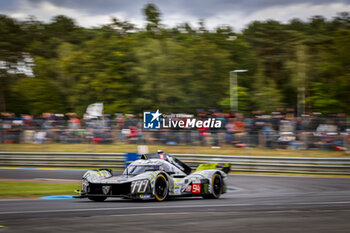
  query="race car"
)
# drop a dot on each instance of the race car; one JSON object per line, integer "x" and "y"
{"x": 155, "y": 176}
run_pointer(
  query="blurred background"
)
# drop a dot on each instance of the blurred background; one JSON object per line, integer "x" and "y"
{"x": 293, "y": 93}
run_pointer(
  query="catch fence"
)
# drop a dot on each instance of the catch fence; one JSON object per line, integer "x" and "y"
{"x": 238, "y": 163}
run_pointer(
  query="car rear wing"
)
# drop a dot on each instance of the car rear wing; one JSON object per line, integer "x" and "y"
{"x": 206, "y": 166}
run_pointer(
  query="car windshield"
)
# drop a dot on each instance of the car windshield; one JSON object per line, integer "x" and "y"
{"x": 135, "y": 170}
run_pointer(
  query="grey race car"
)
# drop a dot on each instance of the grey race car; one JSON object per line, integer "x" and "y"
{"x": 155, "y": 176}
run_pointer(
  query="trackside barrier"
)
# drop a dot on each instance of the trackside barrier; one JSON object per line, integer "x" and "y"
{"x": 238, "y": 163}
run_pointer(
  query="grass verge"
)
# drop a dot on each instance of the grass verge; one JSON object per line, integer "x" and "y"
{"x": 33, "y": 189}
{"x": 122, "y": 148}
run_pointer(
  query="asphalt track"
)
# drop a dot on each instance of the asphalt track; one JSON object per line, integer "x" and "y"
{"x": 255, "y": 204}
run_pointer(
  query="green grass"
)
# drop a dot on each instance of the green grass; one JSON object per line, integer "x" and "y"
{"x": 122, "y": 148}
{"x": 32, "y": 189}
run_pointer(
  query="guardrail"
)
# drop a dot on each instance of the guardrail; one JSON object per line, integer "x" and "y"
{"x": 238, "y": 163}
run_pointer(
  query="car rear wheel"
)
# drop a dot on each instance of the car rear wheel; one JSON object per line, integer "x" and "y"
{"x": 161, "y": 188}
{"x": 216, "y": 189}
{"x": 97, "y": 199}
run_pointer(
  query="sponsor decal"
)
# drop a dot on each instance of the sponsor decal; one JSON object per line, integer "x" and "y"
{"x": 188, "y": 188}
{"x": 153, "y": 120}
{"x": 196, "y": 188}
{"x": 177, "y": 191}
{"x": 145, "y": 196}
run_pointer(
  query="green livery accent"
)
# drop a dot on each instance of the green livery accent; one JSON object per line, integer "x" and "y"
{"x": 154, "y": 176}
{"x": 177, "y": 180}
{"x": 206, "y": 166}
{"x": 77, "y": 191}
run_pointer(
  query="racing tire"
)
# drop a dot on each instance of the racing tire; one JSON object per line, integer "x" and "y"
{"x": 97, "y": 199}
{"x": 217, "y": 187}
{"x": 161, "y": 188}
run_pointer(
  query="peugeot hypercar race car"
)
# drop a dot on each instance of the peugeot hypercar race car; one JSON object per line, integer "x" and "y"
{"x": 155, "y": 176}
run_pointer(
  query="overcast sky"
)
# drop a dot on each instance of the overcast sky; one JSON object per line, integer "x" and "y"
{"x": 238, "y": 14}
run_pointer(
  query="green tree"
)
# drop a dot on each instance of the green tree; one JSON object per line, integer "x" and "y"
{"x": 266, "y": 95}
{"x": 175, "y": 69}
{"x": 272, "y": 42}
{"x": 300, "y": 71}
{"x": 331, "y": 91}
{"x": 12, "y": 47}
{"x": 244, "y": 101}
{"x": 38, "y": 95}
{"x": 152, "y": 15}
{"x": 161, "y": 73}
{"x": 99, "y": 72}
{"x": 175, "y": 76}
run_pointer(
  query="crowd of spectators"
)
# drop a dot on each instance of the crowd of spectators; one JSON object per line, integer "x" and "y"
{"x": 280, "y": 129}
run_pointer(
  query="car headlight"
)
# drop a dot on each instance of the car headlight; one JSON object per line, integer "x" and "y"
{"x": 139, "y": 186}
{"x": 85, "y": 186}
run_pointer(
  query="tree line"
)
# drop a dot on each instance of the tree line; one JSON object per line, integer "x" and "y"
{"x": 303, "y": 65}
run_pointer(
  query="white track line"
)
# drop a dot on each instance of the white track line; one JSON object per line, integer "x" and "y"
{"x": 143, "y": 214}
{"x": 165, "y": 207}
{"x": 49, "y": 179}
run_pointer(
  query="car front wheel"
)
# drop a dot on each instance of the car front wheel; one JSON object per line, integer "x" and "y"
{"x": 161, "y": 188}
